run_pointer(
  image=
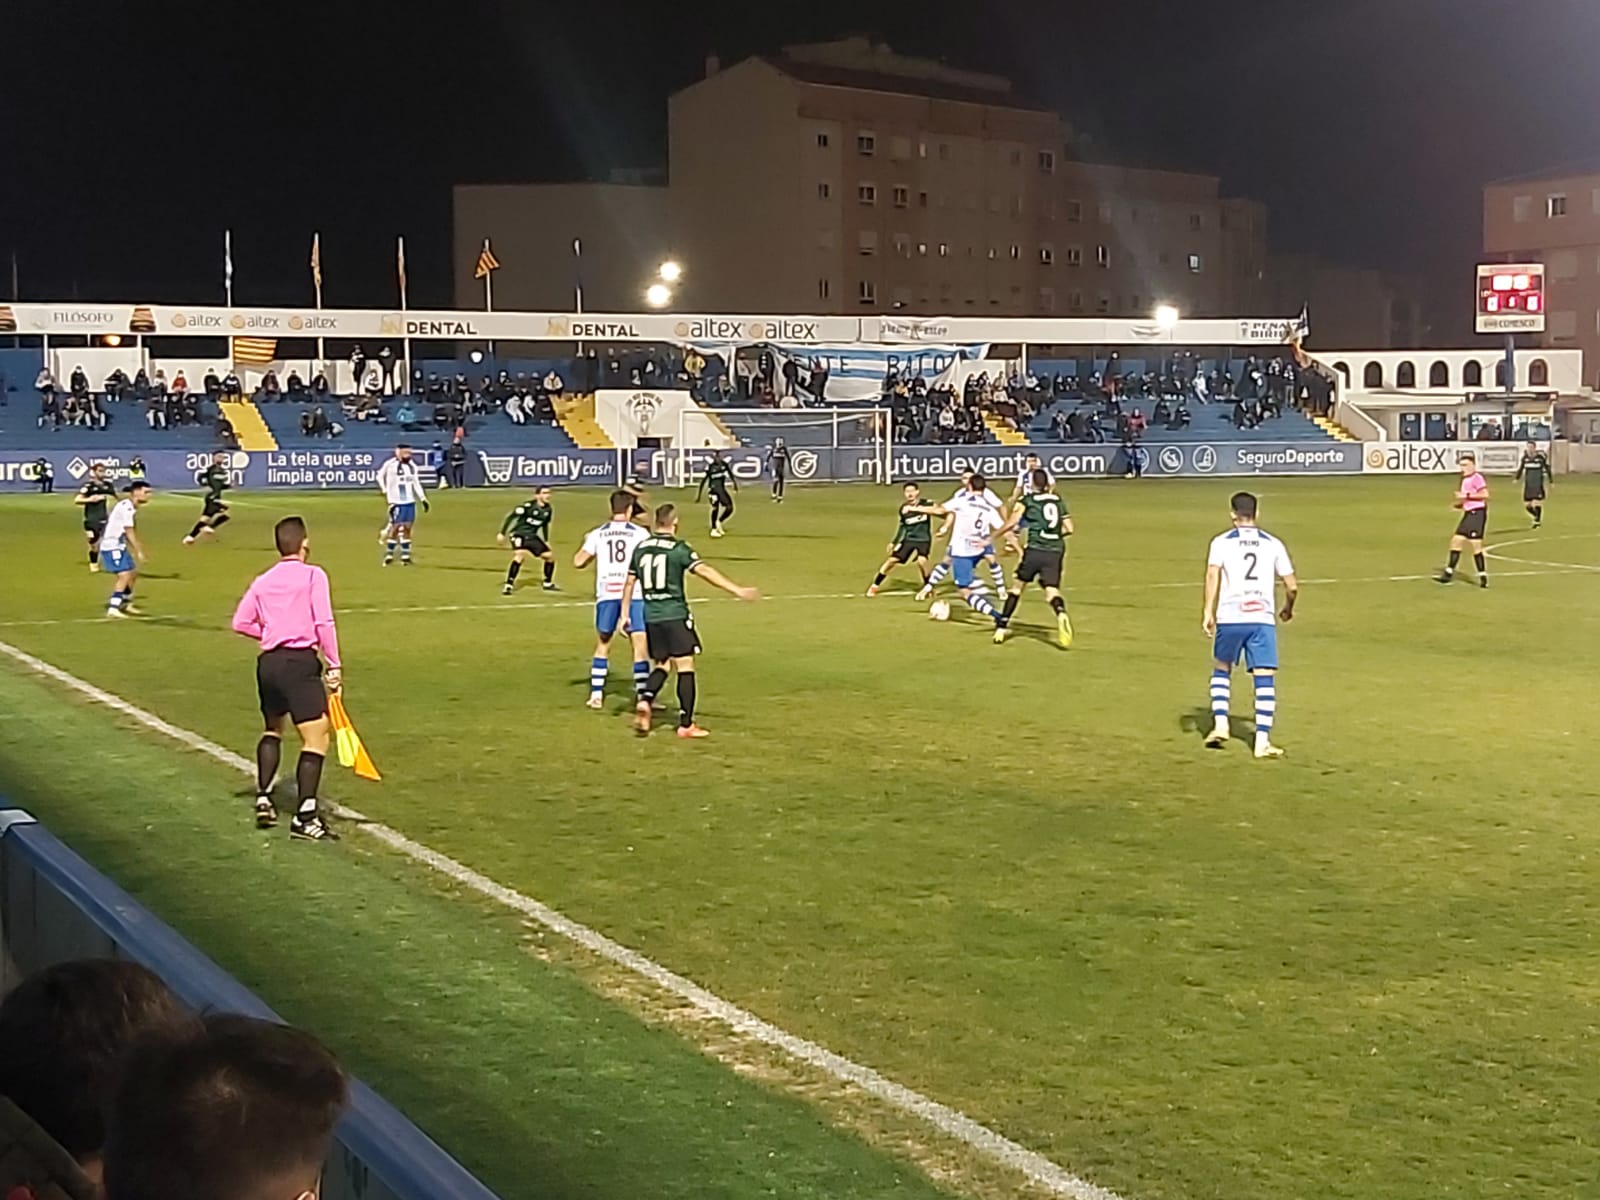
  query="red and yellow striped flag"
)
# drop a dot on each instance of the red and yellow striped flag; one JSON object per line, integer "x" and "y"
{"x": 486, "y": 261}
{"x": 254, "y": 351}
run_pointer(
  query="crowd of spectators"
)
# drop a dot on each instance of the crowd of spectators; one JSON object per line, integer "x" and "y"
{"x": 111, "y": 1089}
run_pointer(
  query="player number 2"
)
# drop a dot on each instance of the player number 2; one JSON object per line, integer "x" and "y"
{"x": 1250, "y": 571}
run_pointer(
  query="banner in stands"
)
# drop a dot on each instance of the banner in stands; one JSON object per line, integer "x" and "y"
{"x": 1440, "y": 458}
{"x": 856, "y": 372}
{"x": 171, "y": 320}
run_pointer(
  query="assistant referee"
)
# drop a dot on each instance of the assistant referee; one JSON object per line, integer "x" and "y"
{"x": 289, "y": 610}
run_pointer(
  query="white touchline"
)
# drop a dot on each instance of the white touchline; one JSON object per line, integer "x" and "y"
{"x": 1040, "y": 1170}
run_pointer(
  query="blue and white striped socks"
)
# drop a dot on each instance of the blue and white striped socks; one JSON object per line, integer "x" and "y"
{"x": 1221, "y": 697}
{"x": 405, "y": 549}
{"x": 1266, "y": 707}
{"x": 118, "y": 598}
{"x": 598, "y": 668}
{"x": 641, "y": 672}
{"x": 998, "y": 572}
{"x": 940, "y": 574}
{"x": 981, "y": 604}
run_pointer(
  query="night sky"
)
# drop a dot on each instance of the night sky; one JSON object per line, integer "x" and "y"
{"x": 131, "y": 134}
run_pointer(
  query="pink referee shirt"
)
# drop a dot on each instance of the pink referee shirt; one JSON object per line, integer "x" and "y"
{"x": 289, "y": 605}
{"x": 1474, "y": 483}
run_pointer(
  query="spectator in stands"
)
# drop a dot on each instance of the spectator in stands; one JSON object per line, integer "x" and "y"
{"x": 514, "y": 409}
{"x": 386, "y": 366}
{"x": 319, "y": 386}
{"x": 1489, "y": 431}
{"x": 415, "y": 387}
{"x": 78, "y": 383}
{"x": 358, "y": 367}
{"x": 1060, "y": 424}
{"x": 233, "y": 1108}
{"x": 226, "y": 437}
{"x": 406, "y": 417}
{"x": 155, "y": 411}
{"x": 211, "y": 384}
{"x": 180, "y": 386}
{"x": 270, "y": 389}
{"x": 65, "y": 1033}
{"x": 49, "y": 408}
{"x": 117, "y": 385}
{"x": 1134, "y": 457}
{"x": 232, "y": 389}
{"x": 141, "y": 386}
{"x": 1137, "y": 423}
{"x": 554, "y": 385}
{"x": 791, "y": 376}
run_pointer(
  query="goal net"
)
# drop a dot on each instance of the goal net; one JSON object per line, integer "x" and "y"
{"x": 826, "y": 445}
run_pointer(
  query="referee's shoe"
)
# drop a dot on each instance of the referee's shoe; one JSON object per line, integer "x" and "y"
{"x": 311, "y": 828}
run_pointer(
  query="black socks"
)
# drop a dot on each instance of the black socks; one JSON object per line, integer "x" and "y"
{"x": 549, "y": 571}
{"x": 307, "y": 780}
{"x": 686, "y": 696}
{"x": 268, "y": 751}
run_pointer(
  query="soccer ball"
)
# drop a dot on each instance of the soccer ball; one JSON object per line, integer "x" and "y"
{"x": 939, "y": 610}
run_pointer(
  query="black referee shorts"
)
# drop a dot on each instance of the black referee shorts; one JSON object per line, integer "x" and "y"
{"x": 1472, "y": 524}
{"x": 290, "y": 681}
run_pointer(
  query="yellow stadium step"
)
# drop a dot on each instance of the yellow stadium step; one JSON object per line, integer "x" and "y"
{"x": 576, "y": 414}
{"x": 1003, "y": 433}
{"x": 1333, "y": 429}
{"x": 248, "y": 424}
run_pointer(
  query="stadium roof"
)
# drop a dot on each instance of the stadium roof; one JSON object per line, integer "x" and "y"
{"x": 828, "y": 75}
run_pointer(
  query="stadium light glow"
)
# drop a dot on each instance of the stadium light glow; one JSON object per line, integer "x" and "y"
{"x": 658, "y": 295}
{"x": 1166, "y": 316}
{"x": 476, "y": 356}
{"x": 113, "y": 339}
{"x": 670, "y": 271}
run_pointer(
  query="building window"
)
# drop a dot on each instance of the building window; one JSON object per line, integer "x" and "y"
{"x": 902, "y": 197}
{"x": 900, "y": 147}
{"x": 1105, "y": 212}
{"x": 1538, "y": 373}
{"x": 1075, "y": 210}
{"x": 1016, "y": 251}
{"x": 1472, "y": 375}
{"x": 1016, "y": 206}
{"x": 1564, "y": 264}
{"x": 867, "y": 242}
{"x": 1016, "y": 158}
{"x": 922, "y": 249}
{"x": 1164, "y": 258}
{"x": 1075, "y": 302}
{"x": 1102, "y": 303}
{"x": 922, "y": 199}
{"x": 1133, "y": 215}
{"x": 1406, "y": 375}
{"x": 922, "y": 149}
{"x": 824, "y": 190}
{"x": 902, "y": 245}
{"x": 824, "y": 288}
{"x": 1439, "y": 375}
{"x": 1196, "y": 223}
{"x": 993, "y": 254}
{"x": 1047, "y": 299}
{"x": 866, "y": 144}
{"x": 1195, "y": 264}
{"x": 1555, "y": 205}
{"x": 867, "y": 292}
{"x": 867, "y": 193}
{"x": 822, "y": 139}
{"x": 1133, "y": 302}
{"x": 901, "y": 296}
{"x": 1102, "y": 255}
{"x": 1050, "y": 208}
{"x": 1047, "y": 161}
{"x": 1047, "y": 255}
{"x": 1074, "y": 256}
{"x": 1521, "y": 209}
{"x": 944, "y": 249}
{"x": 994, "y": 203}
{"x": 944, "y": 155}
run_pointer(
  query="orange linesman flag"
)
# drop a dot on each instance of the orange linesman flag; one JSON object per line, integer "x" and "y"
{"x": 347, "y": 742}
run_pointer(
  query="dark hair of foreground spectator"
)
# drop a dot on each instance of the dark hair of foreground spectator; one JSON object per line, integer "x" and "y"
{"x": 239, "y": 1109}
{"x": 64, "y": 1033}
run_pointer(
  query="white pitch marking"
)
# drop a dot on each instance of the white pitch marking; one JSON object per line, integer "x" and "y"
{"x": 1040, "y": 1170}
{"x": 1569, "y": 568}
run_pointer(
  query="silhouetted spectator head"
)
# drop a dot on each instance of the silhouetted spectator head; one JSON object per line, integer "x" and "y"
{"x": 65, "y": 1032}
{"x": 239, "y": 1109}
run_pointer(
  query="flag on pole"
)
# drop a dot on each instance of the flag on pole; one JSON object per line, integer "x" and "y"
{"x": 254, "y": 351}
{"x": 347, "y": 743}
{"x": 487, "y": 262}
{"x": 227, "y": 264}
{"x": 316, "y": 265}
{"x": 400, "y": 268}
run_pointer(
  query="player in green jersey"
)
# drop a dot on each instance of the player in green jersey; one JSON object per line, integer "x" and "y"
{"x": 97, "y": 491}
{"x": 659, "y": 568}
{"x": 913, "y": 539}
{"x": 214, "y": 511}
{"x": 1044, "y": 514}
{"x": 527, "y": 529}
{"x": 719, "y": 474}
{"x": 1534, "y": 471}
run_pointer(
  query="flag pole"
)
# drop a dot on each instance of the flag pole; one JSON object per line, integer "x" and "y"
{"x": 405, "y": 339}
{"x": 316, "y": 280}
{"x": 227, "y": 265}
{"x": 488, "y": 291}
{"x": 16, "y": 296}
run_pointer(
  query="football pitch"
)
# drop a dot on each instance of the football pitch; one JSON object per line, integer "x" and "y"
{"x": 1007, "y": 877}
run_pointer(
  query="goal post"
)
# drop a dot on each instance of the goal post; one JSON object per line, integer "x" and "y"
{"x": 828, "y": 445}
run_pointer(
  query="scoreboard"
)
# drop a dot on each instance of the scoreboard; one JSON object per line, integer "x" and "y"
{"x": 1511, "y": 298}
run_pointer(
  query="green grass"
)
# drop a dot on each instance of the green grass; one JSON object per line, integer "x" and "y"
{"x": 1008, "y": 877}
